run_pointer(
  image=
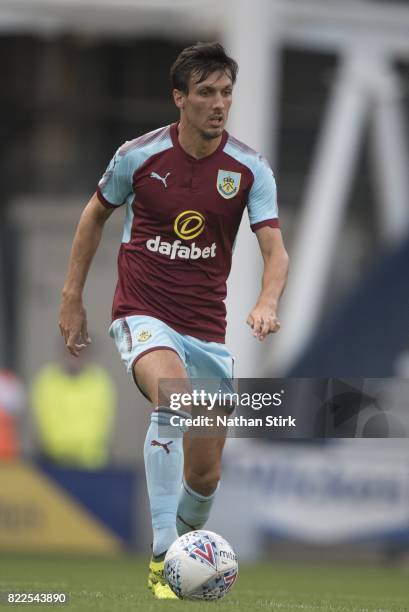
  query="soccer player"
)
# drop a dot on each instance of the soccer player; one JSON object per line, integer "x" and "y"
{"x": 185, "y": 187}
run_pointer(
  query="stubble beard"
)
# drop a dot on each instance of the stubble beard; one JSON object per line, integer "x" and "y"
{"x": 212, "y": 134}
{"x": 207, "y": 135}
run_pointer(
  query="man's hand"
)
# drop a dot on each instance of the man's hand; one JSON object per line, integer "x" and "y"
{"x": 263, "y": 321}
{"x": 73, "y": 318}
{"x": 263, "y": 318}
{"x": 73, "y": 325}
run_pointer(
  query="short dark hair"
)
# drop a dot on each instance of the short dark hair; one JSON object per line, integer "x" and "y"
{"x": 201, "y": 59}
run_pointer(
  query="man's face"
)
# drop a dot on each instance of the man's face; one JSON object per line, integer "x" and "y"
{"x": 206, "y": 107}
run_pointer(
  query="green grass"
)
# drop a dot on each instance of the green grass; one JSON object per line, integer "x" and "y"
{"x": 120, "y": 584}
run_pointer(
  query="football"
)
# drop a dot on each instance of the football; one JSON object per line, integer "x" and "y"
{"x": 201, "y": 565}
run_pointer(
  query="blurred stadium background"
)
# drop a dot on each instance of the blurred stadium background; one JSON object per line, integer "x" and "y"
{"x": 323, "y": 94}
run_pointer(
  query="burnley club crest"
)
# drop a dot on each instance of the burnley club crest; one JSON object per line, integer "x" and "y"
{"x": 228, "y": 183}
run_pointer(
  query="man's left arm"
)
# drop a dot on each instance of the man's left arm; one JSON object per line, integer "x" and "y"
{"x": 263, "y": 318}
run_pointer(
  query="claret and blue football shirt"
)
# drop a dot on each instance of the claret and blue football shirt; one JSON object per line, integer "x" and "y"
{"x": 182, "y": 217}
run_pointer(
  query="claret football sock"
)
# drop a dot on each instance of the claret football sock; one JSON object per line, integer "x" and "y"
{"x": 193, "y": 509}
{"x": 163, "y": 453}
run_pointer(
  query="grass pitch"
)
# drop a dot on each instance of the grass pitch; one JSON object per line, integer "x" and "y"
{"x": 119, "y": 584}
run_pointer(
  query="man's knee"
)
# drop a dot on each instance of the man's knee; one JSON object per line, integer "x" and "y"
{"x": 156, "y": 365}
{"x": 203, "y": 481}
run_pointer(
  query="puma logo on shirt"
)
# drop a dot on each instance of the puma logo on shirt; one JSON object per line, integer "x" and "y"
{"x": 160, "y": 178}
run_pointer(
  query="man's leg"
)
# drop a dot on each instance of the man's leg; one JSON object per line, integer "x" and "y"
{"x": 208, "y": 361}
{"x": 163, "y": 452}
{"x": 201, "y": 478}
{"x": 164, "y": 464}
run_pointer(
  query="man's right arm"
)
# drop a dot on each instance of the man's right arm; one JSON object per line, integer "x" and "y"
{"x": 73, "y": 317}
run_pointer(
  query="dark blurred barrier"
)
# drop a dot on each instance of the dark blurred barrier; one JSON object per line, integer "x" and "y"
{"x": 110, "y": 495}
{"x": 54, "y": 509}
{"x": 368, "y": 331}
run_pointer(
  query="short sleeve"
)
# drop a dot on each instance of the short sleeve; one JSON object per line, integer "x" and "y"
{"x": 116, "y": 183}
{"x": 262, "y": 202}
